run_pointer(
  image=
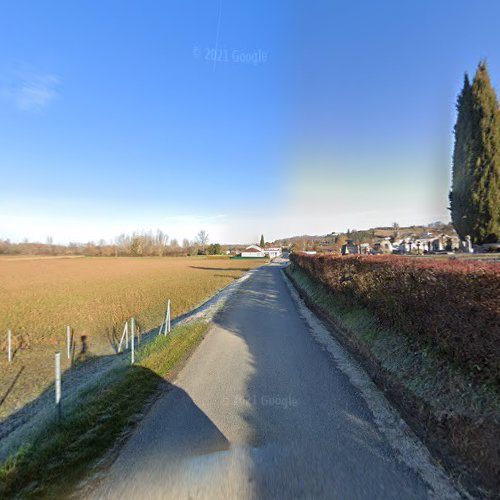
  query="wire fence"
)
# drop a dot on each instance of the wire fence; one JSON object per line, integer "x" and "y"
{"x": 129, "y": 341}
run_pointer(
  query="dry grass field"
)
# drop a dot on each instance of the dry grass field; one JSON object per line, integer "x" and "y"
{"x": 95, "y": 295}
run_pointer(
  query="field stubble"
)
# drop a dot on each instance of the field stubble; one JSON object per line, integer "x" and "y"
{"x": 95, "y": 296}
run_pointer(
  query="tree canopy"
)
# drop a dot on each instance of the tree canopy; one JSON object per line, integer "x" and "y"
{"x": 475, "y": 194}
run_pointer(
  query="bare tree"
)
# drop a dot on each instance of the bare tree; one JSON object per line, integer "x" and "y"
{"x": 136, "y": 246}
{"x": 202, "y": 239}
{"x": 160, "y": 242}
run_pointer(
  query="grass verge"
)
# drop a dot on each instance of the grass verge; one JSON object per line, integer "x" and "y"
{"x": 56, "y": 459}
{"x": 457, "y": 417}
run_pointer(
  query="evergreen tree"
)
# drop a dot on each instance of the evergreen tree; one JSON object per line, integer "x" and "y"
{"x": 475, "y": 196}
{"x": 262, "y": 243}
{"x": 486, "y": 159}
{"x": 460, "y": 195}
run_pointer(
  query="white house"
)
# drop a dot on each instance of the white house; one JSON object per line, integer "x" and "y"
{"x": 272, "y": 252}
{"x": 258, "y": 253}
{"x": 253, "y": 251}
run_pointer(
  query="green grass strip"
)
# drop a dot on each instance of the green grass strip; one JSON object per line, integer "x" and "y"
{"x": 57, "y": 458}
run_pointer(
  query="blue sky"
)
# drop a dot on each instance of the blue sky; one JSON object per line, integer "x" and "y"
{"x": 321, "y": 116}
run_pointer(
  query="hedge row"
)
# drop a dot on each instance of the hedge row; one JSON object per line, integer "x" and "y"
{"x": 451, "y": 306}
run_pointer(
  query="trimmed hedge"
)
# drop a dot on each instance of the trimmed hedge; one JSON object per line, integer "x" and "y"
{"x": 450, "y": 306}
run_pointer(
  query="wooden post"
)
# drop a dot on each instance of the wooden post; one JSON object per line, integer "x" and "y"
{"x": 58, "y": 385}
{"x": 132, "y": 346}
{"x": 9, "y": 346}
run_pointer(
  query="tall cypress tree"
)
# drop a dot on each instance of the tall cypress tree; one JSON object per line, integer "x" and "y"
{"x": 475, "y": 195}
{"x": 485, "y": 198}
{"x": 262, "y": 243}
{"x": 460, "y": 193}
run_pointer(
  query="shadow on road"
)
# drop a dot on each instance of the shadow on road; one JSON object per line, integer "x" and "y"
{"x": 272, "y": 417}
{"x": 108, "y": 412}
{"x": 313, "y": 434}
{"x": 307, "y": 431}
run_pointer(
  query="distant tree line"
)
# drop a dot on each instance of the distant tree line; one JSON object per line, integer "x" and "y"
{"x": 475, "y": 193}
{"x": 137, "y": 244}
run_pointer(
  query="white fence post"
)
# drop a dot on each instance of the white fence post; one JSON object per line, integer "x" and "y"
{"x": 166, "y": 322}
{"x": 168, "y": 316}
{"x": 132, "y": 331}
{"x": 68, "y": 341}
{"x": 9, "y": 346}
{"x": 58, "y": 385}
{"x": 125, "y": 332}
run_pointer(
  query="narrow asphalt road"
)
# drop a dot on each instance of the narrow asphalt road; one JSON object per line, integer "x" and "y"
{"x": 264, "y": 410}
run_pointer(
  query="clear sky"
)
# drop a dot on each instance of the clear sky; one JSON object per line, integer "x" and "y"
{"x": 318, "y": 117}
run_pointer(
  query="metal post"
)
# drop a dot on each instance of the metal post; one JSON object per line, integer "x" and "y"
{"x": 126, "y": 336}
{"x": 166, "y": 323}
{"x": 125, "y": 332}
{"x": 9, "y": 346}
{"x": 58, "y": 385}
{"x": 132, "y": 346}
{"x": 68, "y": 341}
{"x": 168, "y": 315}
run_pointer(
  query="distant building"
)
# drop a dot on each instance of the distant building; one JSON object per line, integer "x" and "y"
{"x": 350, "y": 248}
{"x": 272, "y": 252}
{"x": 383, "y": 246}
{"x": 445, "y": 243}
{"x": 428, "y": 244}
{"x": 258, "y": 253}
{"x": 364, "y": 248}
{"x": 253, "y": 251}
{"x": 437, "y": 245}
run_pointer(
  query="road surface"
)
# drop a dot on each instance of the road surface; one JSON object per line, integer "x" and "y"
{"x": 267, "y": 407}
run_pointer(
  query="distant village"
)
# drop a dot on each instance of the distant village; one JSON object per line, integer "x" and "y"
{"x": 435, "y": 238}
{"x": 425, "y": 243}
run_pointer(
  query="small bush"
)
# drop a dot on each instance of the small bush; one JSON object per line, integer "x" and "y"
{"x": 450, "y": 306}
